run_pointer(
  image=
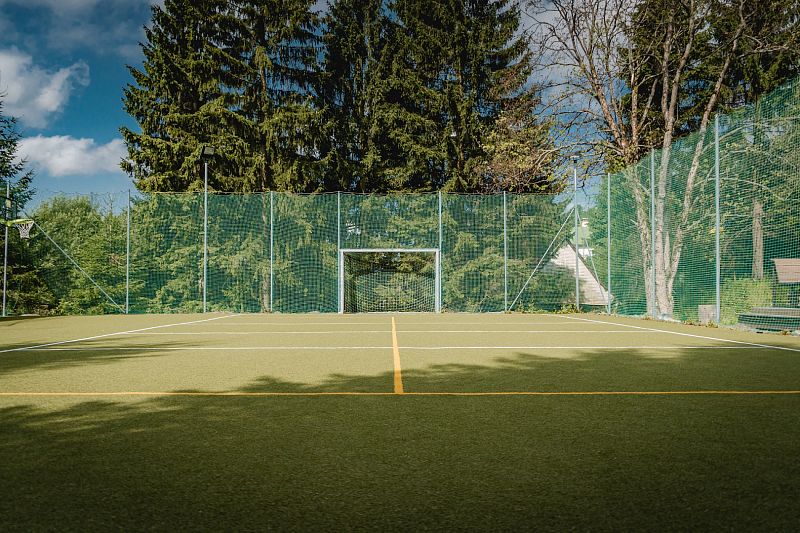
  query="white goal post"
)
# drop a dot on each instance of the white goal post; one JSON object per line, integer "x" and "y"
{"x": 437, "y": 269}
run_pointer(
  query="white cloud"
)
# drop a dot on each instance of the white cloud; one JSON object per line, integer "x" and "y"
{"x": 64, "y": 26}
{"x": 63, "y": 155}
{"x": 34, "y": 94}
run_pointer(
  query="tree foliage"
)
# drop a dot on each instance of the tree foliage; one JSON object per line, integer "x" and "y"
{"x": 379, "y": 95}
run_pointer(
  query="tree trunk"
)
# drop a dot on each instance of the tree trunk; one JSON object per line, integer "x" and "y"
{"x": 758, "y": 239}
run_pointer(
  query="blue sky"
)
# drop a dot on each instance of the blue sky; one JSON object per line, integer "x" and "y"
{"x": 62, "y": 69}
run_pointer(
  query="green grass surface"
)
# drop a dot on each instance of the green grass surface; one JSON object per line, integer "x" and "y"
{"x": 396, "y": 462}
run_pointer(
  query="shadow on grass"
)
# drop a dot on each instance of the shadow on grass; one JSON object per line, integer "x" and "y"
{"x": 73, "y": 354}
{"x": 421, "y": 463}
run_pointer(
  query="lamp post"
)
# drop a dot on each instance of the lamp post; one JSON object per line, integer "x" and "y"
{"x": 205, "y": 154}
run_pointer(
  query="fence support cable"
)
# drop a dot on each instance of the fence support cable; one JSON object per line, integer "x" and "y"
{"x": 541, "y": 260}
{"x": 82, "y": 271}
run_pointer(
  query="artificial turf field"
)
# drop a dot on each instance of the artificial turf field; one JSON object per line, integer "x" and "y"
{"x": 395, "y": 422}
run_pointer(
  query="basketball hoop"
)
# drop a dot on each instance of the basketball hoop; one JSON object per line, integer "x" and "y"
{"x": 24, "y": 229}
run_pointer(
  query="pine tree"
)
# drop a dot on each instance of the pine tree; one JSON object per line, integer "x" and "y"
{"x": 414, "y": 86}
{"x": 353, "y": 41}
{"x": 11, "y": 168}
{"x": 273, "y": 49}
{"x": 176, "y": 100}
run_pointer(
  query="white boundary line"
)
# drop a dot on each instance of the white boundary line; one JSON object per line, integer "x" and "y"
{"x": 383, "y": 331}
{"x": 207, "y": 348}
{"x": 332, "y": 348}
{"x": 346, "y": 323}
{"x": 670, "y": 347}
{"x": 57, "y": 343}
{"x": 682, "y": 334}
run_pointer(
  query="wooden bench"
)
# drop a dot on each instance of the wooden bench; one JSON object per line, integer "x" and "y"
{"x": 788, "y": 270}
{"x": 779, "y": 318}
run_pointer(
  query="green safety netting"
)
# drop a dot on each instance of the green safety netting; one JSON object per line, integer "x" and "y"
{"x": 280, "y": 252}
{"x": 646, "y": 241}
{"x": 664, "y": 210}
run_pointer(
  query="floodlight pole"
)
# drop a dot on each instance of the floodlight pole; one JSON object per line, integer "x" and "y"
{"x": 577, "y": 246}
{"x": 717, "y": 308}
{"x": 205, "y": 234}
{"x": 5, "y": 247}
{"x": 205, "y": 153}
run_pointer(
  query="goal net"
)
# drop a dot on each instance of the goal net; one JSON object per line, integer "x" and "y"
{"x": 389, "y": 280}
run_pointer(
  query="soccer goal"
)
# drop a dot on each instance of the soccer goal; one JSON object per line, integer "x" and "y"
{"x": 380, "y": 280}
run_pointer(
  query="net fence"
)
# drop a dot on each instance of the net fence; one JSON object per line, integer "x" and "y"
{"x": 279, "y": 252}
{"x": 705, "y": 230}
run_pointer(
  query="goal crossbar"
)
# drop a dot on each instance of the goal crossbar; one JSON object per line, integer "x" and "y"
{"x": 437, "y": 269}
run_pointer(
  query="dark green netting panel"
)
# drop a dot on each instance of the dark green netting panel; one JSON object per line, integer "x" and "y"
{"x": 167, "y": 254}
{"x": 760, "y": 197}
{"x": 685, "y": 277}
{"x": 541, "y": 272}
{"x": 77, "y": 251}
{"x": 472, "y": 253}
{"x": 630, "y": 238}
{"x": 304, "y": 244}
{"x": 663, "y": 248}
{"x": 389, "y": 221}
{"x": 238, "y": 253}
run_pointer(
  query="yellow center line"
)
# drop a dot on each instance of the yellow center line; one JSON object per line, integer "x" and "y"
{"x": 344, "y": 393}
{"x": 398, "y": 373}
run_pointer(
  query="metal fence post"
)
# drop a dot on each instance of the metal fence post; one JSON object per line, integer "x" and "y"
{"x": 128, "y": 258}
{"x": 505, "y": 253}
{"x": 271, "y": 251}
{"x": 439, "y": 288}
{"x": 608, "y": 242}
{"x": 653, "y": 232}
{"x": 717, "y": 212}
{"x": 577, "y": 245}
{"x": 338, "y": 251}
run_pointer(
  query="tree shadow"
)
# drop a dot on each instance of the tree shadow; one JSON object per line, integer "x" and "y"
{"x": 72, "y": 354}
{"x": 416, "y": 462}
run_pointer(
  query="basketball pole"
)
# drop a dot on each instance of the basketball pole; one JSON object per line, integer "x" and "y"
{"x": 5, "y": 249}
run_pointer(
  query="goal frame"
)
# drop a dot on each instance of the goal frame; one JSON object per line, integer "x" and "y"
{"x": 437, "y": 269}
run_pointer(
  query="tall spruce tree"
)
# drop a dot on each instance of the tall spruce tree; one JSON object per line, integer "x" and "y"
{"x": 12, "y": 169}
{"x": 272, "y": 51}
{"x": 353, "y": 42}
{"x": 414, "y": 86}
{"x": 175, "y": 99}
